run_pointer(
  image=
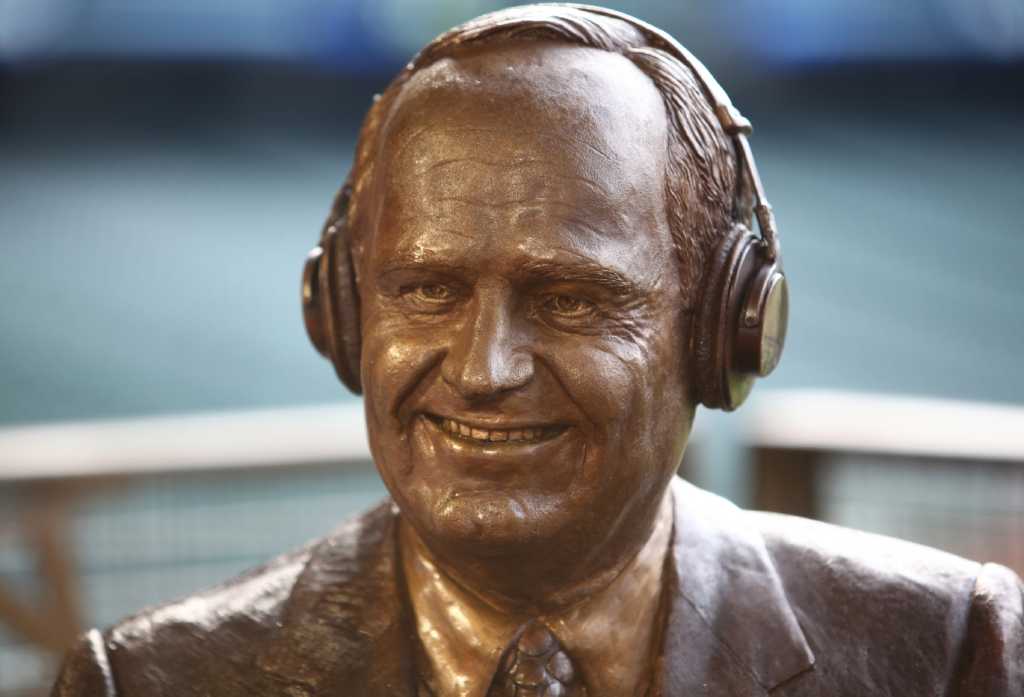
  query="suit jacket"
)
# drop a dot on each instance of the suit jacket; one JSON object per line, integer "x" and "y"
{"x": 758, "y": 604}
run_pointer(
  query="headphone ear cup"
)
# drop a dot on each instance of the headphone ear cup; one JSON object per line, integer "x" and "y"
{"x": 313, "y": 315}
{"x": 708, "y": 338}
{"x": 741, "y": 322}
{"x": 762, "y": 321}
{"x": 330, "y": 304}
{"x": 339, "y": 280}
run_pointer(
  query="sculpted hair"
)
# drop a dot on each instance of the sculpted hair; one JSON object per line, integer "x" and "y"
{"x": 704, "y": 194}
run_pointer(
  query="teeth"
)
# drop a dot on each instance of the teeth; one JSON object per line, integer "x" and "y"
{"x": 462, "y": 430}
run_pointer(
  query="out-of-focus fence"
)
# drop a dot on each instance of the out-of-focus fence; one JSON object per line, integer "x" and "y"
{"x": 948, "y": 474}
{"x": 100, "y": 519}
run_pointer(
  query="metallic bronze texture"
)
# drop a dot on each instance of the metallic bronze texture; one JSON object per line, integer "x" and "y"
{"x": 536, "y": 665}
{"x": 613, "y": 633}
{"x": 541, "y": 263}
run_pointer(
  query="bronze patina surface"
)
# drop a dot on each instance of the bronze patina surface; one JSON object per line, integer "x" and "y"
{"x": 542, "y": 263}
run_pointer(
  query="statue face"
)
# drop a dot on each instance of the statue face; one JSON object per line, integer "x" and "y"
{"x": 523, "y": 358}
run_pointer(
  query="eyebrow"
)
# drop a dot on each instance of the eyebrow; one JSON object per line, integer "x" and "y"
{"x": 400, "y": 264}
{"x": 580, "y": 272}
{"x": 536, "y": 271}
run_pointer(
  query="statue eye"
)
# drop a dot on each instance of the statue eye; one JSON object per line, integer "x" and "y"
{"x": 429, "y": 297}
{"x": 435, "y": 292}
{"x": 568, "y": 306}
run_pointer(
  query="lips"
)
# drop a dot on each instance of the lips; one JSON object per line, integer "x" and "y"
{"x": 496, "y": 452}
{"x": 478, "y": 433}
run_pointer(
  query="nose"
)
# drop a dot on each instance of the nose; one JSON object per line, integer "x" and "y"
{"x": 485, "y": 357}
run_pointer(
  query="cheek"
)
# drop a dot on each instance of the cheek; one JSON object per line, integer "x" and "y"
{"x": 633, "y": 392}
{"x": 394, "y": 363}
{"x": 616, "y": 380}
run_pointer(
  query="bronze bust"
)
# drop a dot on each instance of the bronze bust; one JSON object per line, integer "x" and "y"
{"x": 542, "y": 262}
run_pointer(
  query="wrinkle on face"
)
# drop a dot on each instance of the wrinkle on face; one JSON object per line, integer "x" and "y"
{"x": 479, "y": 197}
{"x": 549, "y": 168}
{"x": 413, "y": 135}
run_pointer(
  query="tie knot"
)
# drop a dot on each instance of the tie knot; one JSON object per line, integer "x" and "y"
{"x": 535, "y": 665}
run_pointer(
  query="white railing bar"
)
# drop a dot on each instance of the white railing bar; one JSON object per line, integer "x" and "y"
{"x": 823, "y": 420}
{"x": 264, "y": 438}
{"x": 852, "y": 422}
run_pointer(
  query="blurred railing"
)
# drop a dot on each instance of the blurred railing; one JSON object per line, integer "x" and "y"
{"x": 99, "y": 519}
{"x": 943, "y": 473}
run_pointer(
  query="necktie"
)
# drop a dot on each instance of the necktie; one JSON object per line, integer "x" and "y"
{"x": 535, "y": 665}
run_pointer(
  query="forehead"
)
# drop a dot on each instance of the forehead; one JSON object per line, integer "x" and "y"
{"x": 527, "y": 149}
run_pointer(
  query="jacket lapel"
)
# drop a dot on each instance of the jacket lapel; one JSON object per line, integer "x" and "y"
{"x": 346, "y": 630}
{"x": 730, "y": 630}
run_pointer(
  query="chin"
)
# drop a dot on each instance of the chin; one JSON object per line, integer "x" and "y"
{"x": 492, "y": 523}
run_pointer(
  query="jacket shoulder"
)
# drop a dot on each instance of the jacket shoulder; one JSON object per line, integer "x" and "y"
{"x": 86, "y": 670}
{"x": 858, "y": 562}
{"x": 207, "y": 643}
{"x": 891, "y": 616}
{"x": 993, "y": 659}
{"x": 251, "y": 601}
{"x": 166, "y": 641}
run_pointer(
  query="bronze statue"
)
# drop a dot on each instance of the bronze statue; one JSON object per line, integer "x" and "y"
{"x": 541, "y": 263}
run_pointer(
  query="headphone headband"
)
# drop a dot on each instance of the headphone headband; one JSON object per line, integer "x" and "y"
{"x": 734, "y": 123}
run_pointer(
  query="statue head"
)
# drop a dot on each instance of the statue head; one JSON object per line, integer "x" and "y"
{"x": 524, "y": 245}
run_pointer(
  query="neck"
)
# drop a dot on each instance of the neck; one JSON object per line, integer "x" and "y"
{"x": 611, "y": 627}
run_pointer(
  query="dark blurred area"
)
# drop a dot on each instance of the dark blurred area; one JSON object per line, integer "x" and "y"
{"x": 165, "y": 166}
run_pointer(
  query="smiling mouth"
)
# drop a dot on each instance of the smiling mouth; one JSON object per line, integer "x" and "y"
{"x": 495, "y": 436}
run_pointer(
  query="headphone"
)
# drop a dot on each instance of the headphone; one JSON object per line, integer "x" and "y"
{"x": 739, "y": 327}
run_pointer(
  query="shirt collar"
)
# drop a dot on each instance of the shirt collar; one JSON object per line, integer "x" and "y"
{"x": 609, "y": 636}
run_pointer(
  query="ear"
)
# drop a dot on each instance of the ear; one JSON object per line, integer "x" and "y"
{"x": 330, "y": 297}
